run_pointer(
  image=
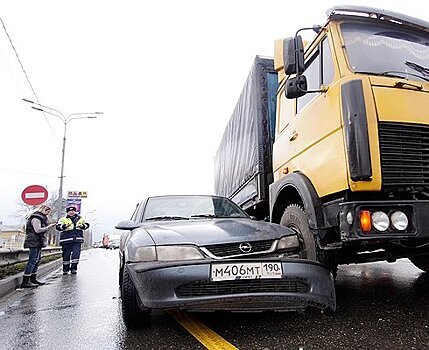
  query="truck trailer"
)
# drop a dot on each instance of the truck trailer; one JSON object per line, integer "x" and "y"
{"x": 331, "y": 139}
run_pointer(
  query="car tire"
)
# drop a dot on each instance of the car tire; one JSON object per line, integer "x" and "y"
{"x": 133, "y": 316}
{"x": 422, "y": 262}
{"x": 121, "y": 275}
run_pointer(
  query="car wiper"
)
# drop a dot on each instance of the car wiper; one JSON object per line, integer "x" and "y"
{"x": 417, "y": 67}
{"x": 165, "y": 217}
{"x": 215, "y": 216}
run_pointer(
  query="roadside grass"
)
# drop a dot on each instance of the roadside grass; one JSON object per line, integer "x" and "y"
{"x": 10, "y": 270}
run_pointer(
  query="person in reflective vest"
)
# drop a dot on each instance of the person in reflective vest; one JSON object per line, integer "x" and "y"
{"x": 71, "y": 227}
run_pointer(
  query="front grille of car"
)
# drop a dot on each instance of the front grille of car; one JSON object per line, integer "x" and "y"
{"x": 233, "y": 249}
{"x": 201, "y": 289}
{"x": 404, "y": 151}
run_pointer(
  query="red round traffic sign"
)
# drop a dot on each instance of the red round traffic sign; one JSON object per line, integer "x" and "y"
{"x": 34, "y": 195}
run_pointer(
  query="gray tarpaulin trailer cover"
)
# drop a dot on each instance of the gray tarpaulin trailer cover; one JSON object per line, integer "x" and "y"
{"x": 243, "y": 162}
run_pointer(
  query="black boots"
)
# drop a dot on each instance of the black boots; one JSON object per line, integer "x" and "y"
{"x": 33, "y": 279}
{"x": 26, "y": 283}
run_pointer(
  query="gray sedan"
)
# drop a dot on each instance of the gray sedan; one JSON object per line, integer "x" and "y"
{"x": 204, "y": 253}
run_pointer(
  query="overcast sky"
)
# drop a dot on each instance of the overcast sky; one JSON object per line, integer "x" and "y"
{"x": 166, "y": 74}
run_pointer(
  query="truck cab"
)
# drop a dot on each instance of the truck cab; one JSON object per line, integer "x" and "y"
{"x": 350, "y": 153}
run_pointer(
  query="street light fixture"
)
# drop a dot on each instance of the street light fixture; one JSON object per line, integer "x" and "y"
{"x": 65, "y": 119}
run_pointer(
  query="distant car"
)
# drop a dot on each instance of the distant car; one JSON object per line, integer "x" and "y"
{"x": 204, "y": 253}
{"x": 114, "y": 244}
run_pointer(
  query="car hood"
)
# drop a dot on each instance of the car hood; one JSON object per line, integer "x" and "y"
{"x": 202, "y": 232}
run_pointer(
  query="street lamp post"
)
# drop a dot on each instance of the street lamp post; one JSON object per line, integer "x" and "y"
{"x": 65, "y": 119}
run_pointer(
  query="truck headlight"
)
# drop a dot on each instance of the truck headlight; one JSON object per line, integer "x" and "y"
{"x": 169, "y": 253}
{"x": 399, "y": 220}
{"x": 380, "y": 221}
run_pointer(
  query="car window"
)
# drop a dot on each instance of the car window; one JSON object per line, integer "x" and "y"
{"x": 187, "y": 207}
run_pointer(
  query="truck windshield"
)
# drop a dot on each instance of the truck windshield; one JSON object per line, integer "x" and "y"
{"x": 385, "y": 49}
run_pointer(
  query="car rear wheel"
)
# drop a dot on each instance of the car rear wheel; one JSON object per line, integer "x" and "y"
{"x": 422, "y": 262}
{"x": 133, "y": 316}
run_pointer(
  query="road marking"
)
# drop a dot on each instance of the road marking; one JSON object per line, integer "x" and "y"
{"x": 201, "y": 332}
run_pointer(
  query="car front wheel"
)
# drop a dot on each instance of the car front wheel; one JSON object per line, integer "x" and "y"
{"x": 133, "y": 316}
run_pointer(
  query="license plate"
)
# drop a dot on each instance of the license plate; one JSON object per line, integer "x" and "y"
{"x": 254, "y": 270}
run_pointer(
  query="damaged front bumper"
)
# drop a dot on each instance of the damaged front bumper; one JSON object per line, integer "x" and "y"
{"x": 188, "y": 285}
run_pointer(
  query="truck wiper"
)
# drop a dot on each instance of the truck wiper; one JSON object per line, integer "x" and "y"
{"x": 204, "y": 216}
{"x": 389, "y": 73}
{"x": 166, "y": 218}
{"x": 417, "y": 67}
{"x": 397, "y": 74}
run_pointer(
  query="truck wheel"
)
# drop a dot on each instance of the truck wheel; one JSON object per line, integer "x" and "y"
{"x": 422, "y": 262}
{"x": 133, "y": 316}
{"x": 294, "y": 217}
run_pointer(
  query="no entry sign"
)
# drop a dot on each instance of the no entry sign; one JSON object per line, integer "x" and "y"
{"x": 34, "y": 195}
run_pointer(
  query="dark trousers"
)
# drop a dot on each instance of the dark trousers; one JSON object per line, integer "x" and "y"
{"x": 34, "y": 257}
{"x": 71, "y": 255}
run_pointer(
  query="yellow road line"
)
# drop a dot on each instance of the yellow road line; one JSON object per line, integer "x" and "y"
{"x": 202, "y": 333}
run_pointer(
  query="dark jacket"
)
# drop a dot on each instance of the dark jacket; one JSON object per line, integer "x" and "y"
{"x": 71, "y": 228}
{"x": 32, "y": 238}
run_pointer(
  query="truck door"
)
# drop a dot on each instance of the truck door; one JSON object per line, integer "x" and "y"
{"x": 310, "y": 139}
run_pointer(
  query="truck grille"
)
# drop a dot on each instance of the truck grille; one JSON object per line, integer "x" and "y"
{"x": 232, "y": 249}
{"x": 200, "y": 289}
{"x": 404, "y": 151}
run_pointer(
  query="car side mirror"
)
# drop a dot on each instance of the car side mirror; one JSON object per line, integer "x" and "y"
{"x": 296, "y": 87}
{"x": 127, "y": 225}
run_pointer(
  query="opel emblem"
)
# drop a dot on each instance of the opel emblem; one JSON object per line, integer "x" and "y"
{"x": 245, "y": 247}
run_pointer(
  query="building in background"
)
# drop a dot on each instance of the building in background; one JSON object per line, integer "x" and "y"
{"x": 12, "y": 236}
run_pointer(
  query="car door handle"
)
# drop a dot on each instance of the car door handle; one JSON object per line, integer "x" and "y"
{"x": 293, "y": 136}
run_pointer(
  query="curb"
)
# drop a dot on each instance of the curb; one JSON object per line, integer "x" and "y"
{"x": 9, "y": 284}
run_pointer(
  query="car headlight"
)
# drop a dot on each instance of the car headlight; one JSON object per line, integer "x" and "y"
{"x": 288, "y": 243}
{"x": 168, "y": 253}
{"x": 144, "y": 254}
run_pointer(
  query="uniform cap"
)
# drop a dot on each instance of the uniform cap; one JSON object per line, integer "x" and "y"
{"x": 71, "y": 208}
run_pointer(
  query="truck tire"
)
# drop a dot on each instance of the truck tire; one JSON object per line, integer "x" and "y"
{"x": 294, "y": 217}
{"x": 133, "y": 316}
{"x": 422, "y": 262}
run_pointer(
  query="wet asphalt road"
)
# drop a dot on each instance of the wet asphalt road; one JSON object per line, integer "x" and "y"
{"x": 381, "y": 306}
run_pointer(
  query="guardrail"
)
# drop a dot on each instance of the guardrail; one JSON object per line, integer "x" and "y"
{"x": 14, "y": 256}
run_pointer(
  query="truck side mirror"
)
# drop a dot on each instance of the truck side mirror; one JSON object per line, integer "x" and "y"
{"x": 293, "y": 55}
{"x": 296, "y": 87}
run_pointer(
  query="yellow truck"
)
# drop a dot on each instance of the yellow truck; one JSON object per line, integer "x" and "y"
{"x": 331, "y": 139}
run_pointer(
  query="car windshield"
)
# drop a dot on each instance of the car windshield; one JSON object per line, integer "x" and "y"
{"x": 387, "y": 49}
{"x": 188, "y": 207}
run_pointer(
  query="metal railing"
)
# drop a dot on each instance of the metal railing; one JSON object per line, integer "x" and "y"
{"x": 14, "y": 256}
